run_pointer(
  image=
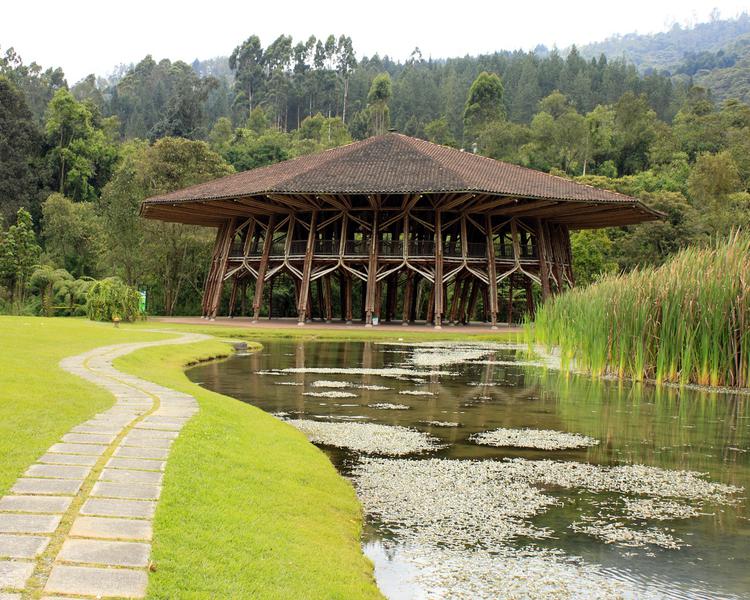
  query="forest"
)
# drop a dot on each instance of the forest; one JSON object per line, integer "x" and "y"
{"x": 76, "y": 160}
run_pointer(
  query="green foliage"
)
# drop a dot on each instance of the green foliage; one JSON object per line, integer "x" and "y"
{"x": 19, "y": 252}
{"x": 484, "y": 104}
{"x": 44, "y": 279}
{"x": 72, "y": 234}
{"x": 83, "y": 151}
{"x": 19, "y": 151}
{"x": 687, "y": 321}
{"x": 591, "y": 255}
{"x": 111, "y": 298}
{"x": 439, "y": 132}
{"x": 380, "y": 93}
{"x": 168, "y": 259}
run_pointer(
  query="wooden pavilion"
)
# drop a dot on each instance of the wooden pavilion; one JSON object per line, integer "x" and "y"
{"x": 393, "y": 212}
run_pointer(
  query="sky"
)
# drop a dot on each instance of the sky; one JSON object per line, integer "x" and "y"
{"x": 84, "y": 36}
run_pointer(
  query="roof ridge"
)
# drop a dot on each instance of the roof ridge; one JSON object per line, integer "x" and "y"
{"x": 416, "y": 146}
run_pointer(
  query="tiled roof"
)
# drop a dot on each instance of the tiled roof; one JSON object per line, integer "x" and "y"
{"x": 392, "y": 164}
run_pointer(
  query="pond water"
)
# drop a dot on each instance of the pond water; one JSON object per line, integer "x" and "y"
{"x": 463, "y": 520}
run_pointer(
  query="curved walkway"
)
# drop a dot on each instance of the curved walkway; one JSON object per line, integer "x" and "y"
{"x": 78, "y": 522}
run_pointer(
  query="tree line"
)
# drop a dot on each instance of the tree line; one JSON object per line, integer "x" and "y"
{"x": 77, "y": 161}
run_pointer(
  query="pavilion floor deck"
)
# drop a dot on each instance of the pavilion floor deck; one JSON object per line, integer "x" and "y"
{"x": 474, "y": 328}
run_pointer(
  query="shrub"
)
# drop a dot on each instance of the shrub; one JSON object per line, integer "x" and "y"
{"x": 110, "y": 298}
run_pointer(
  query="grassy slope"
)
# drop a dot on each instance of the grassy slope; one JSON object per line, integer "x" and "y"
{"x": 39, "y": 402}
{"x": 249, "y": 509}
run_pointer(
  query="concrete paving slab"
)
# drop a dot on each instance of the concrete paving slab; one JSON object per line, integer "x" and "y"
{"x": 58, "y": 487}
{"x": 151, "y": 453}
{"x": 153, "y": 434}
{"x": 22, "y": 523}
{"x": 142, "y": 442}
{"x": 158, "y": 426}
{"x": 130, "y": 476}
{"x": 136, "y": 491}
{"x": 22, "y": 546}
{"x": 89, "y": 449}
{"x": 117, "y": 507}
{"x": 97, "y": 582}
{"x": 35, "y": 504}
{"x": 69, "y": 459}
{"x": 140, "y": 464}
{"x": 112, "y": 528}
{"x": 58, "y": 471}
{"x": 105, "y": 552}
{"x": 89, "y": 438}
{"x": 15, "y": 573}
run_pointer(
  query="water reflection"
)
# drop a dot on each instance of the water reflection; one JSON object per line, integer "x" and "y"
{"x": 664, "y": 427}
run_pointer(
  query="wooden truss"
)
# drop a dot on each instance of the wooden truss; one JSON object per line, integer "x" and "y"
{"x": 473, "y": 243}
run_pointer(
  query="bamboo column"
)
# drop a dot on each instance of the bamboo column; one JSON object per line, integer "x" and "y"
{"x": 408, "y": 293}
{"x": 372, "y": 271}
{"x": 541, "y": 250}
{"x": 472, "y": 302}
{"x": 263, "y": 267}
{"x": 327, "y": 298}
{"x": 438, "y": 287}
{"x": 270, "y": 299}
{"x": 491, "y": 272}
{"x": 223, "y": 243}
{"x": 233, "y": 296}
{"x": 304, "y": 292}
{"x": 348, "y": 282}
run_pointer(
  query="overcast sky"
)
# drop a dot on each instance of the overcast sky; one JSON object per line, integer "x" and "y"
{"x": 88, "y": 36}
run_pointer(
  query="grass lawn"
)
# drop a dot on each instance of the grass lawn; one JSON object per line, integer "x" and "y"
{"x": 39, "y": 402}
{"x": 250, "y": 509}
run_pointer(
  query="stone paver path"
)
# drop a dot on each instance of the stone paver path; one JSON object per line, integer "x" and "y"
{"x": 78, "y": 522}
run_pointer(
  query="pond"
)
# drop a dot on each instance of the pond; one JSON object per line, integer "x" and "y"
{"x": 448, "y": 516}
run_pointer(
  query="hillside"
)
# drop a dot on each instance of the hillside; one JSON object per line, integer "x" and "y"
{"x": 667, "y": 51}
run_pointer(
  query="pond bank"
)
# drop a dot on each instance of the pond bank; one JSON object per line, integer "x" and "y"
{"x": 250, "y": 509}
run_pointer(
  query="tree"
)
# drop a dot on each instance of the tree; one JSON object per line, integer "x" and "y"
{"x": 591, "y": 255}
{"x": 484, "y": 104}
{"x": 19, "y": 151}
{"x": 346, "y": 61}
{"x": 44, "y": 279}
{"x": 635, "y": 126}
{"x": 247, "y": 63}
{"x": 380, "y": 93}
{"x": 19, "y": 252}
{"x": 439, "y": 132}
{"x": 83, "y": 149}
{"x": 72, "y": 234}
{"x": 168, "y": 258}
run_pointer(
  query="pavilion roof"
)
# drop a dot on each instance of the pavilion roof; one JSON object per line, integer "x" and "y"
{"x": 383, "y": 165}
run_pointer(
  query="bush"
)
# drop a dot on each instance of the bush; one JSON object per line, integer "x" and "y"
{"x": 110, "y": 298}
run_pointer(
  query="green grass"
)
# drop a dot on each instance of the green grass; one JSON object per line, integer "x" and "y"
{"x": 39, "y": 402}
{"x": 250, "y": 509}
{"x": 687, "y": 321}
